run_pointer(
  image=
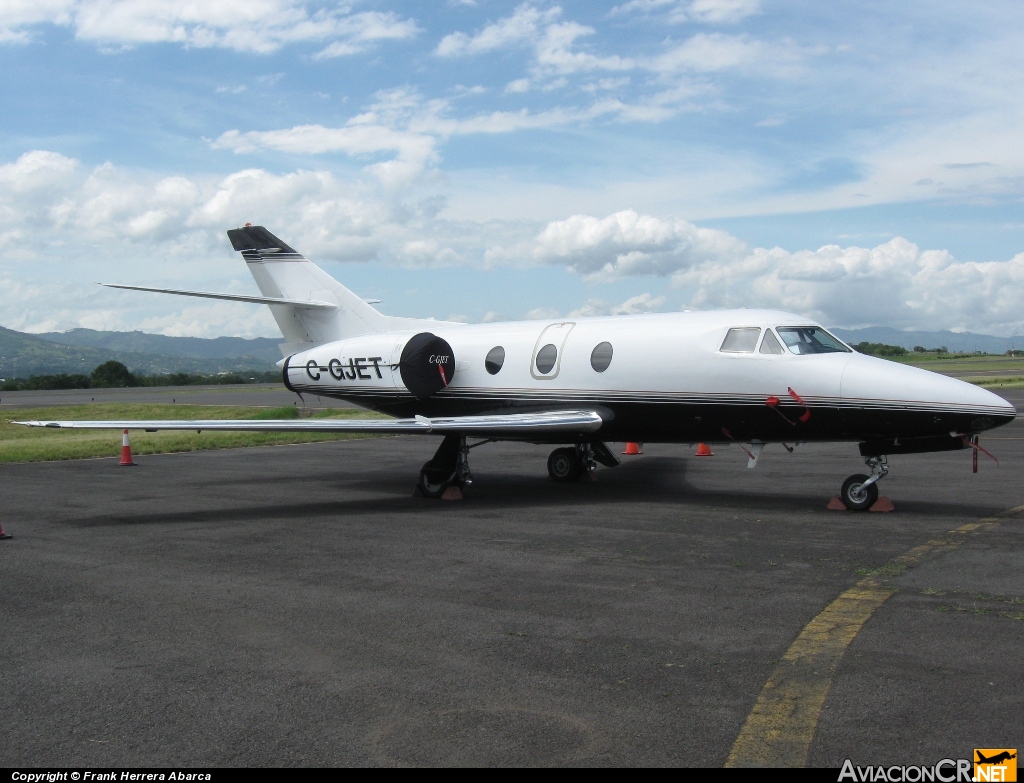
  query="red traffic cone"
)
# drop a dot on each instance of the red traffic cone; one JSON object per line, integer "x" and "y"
{"x": 704, "y": 450}
{"x": 126, "y": 450}
{"x": 632, "y": 449}
{"x": 4, "y": 535}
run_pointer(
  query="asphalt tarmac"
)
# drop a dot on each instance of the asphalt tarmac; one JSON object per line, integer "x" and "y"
{"x": 296, "y": 605}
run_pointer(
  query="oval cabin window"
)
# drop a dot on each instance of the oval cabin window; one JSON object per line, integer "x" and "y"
{"x": 601, "y": 357}
{"x": 546, "y": 357}
{"x": 495, "y": 358}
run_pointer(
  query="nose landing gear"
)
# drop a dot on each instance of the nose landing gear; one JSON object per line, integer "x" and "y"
{"x": 859, "y": 492}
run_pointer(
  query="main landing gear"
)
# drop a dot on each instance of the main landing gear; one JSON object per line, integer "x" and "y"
{"x": 573, "y": 462}
{"x": 448, "y": 467}
{"x": 860, "y": 492}
{"x": 568, "y": 464}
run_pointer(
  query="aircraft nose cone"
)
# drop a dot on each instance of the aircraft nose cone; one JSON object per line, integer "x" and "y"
{"x": 879, "y": 383}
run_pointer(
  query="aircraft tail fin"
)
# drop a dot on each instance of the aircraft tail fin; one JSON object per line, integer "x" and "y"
{"x": 283, "y": 273}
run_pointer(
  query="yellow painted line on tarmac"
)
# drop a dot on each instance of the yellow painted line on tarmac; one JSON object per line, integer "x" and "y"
{"x": 779, "y": 729}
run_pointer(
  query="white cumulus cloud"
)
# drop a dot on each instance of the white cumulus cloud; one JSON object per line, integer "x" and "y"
{"x": 403, "y": 124}
{"x": 64, "y": 225}
{"x": 700, "y": 11}
{"x": 555, "y": 44}
{"x": 635, "y": 305}
{"x": 412, "y": 151}
{"x": 245, "y": 25}
{"x": 895, "y": 283}
{"x": 627, "y": 243}
{"x": 711, "y": 52}
{"x": 551, "y": 39}
{"x": 521, "y": 28}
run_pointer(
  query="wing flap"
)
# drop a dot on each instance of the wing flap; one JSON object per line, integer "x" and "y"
{"x": 516, "y": 425}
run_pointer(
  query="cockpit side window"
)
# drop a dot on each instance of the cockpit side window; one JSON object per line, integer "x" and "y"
{"x": 810, "y": 339}
{"x": 741, "y": 340}
{"x": 771, "y": 344}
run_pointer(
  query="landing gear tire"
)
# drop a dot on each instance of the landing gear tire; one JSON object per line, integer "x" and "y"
{"x": 431, "y": 484}
{"x": 564, "y": 465}
{"x": 856, "y": 496}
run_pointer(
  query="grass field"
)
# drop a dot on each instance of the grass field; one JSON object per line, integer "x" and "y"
{"x": 38, "y": 444}
{"x": 991, "y": 372}
{"x": 963, "y": 363}
{"x": 1001, "y": 382}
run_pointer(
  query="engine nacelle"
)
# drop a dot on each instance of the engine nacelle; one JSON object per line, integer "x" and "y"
{"x": 427, "y": 364}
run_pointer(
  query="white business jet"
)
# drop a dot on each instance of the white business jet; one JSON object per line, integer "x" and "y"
{"x": 751, "y": 377}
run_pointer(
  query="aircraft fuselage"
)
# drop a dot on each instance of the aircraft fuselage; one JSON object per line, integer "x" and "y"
{"x": 658, "y": 378}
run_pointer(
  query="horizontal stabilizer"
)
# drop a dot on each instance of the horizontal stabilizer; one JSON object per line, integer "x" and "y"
{"x": 270, "y": 300}
{"x": 511, "y": 425}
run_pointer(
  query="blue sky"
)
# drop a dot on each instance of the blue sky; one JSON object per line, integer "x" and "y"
{"x": 860, "y": 163}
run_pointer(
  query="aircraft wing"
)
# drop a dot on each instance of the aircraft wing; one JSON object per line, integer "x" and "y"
{"x": 514, "y": 425}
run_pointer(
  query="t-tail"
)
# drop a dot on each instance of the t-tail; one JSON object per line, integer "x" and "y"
{"x": 282, "y": 273}
{"x": 311, "y": 307}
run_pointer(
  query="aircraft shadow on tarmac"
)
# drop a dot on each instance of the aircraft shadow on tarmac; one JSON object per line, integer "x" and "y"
{"x": 658, "y": 480}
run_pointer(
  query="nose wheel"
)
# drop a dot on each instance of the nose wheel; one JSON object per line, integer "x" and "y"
{"x": 860, "y": 492}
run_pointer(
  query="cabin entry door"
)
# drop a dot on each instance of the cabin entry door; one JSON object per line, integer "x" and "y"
{"x": 547, "y": 352}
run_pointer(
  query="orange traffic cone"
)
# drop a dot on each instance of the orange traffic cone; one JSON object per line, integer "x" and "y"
{"x": 704, "y": 450}
{"x": 632, "y": 449}
{"x": 4, "y": 535}
{"x": 454, "y": 492}
{"x": 126, "y": 450}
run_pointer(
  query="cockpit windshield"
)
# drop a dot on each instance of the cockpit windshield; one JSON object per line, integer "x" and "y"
{"x": 810, "y": 339}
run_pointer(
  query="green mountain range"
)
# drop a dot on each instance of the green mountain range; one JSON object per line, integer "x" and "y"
{"x": 965, "y": 342}
{"x": 81, "y": 350}
{"x": 262, "y": 348}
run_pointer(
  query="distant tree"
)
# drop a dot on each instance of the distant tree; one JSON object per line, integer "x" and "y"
{"x": 919, "y": 349}
{"x": 881, "y": 349}
{"x": 195, "y": 379}
{"x": 61, "y": 381}
{"x": 112, "y": 374}
{"x": 227, "y": 378}
{"x": 943, "y": 349}
{"x": 38, "y": 382}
